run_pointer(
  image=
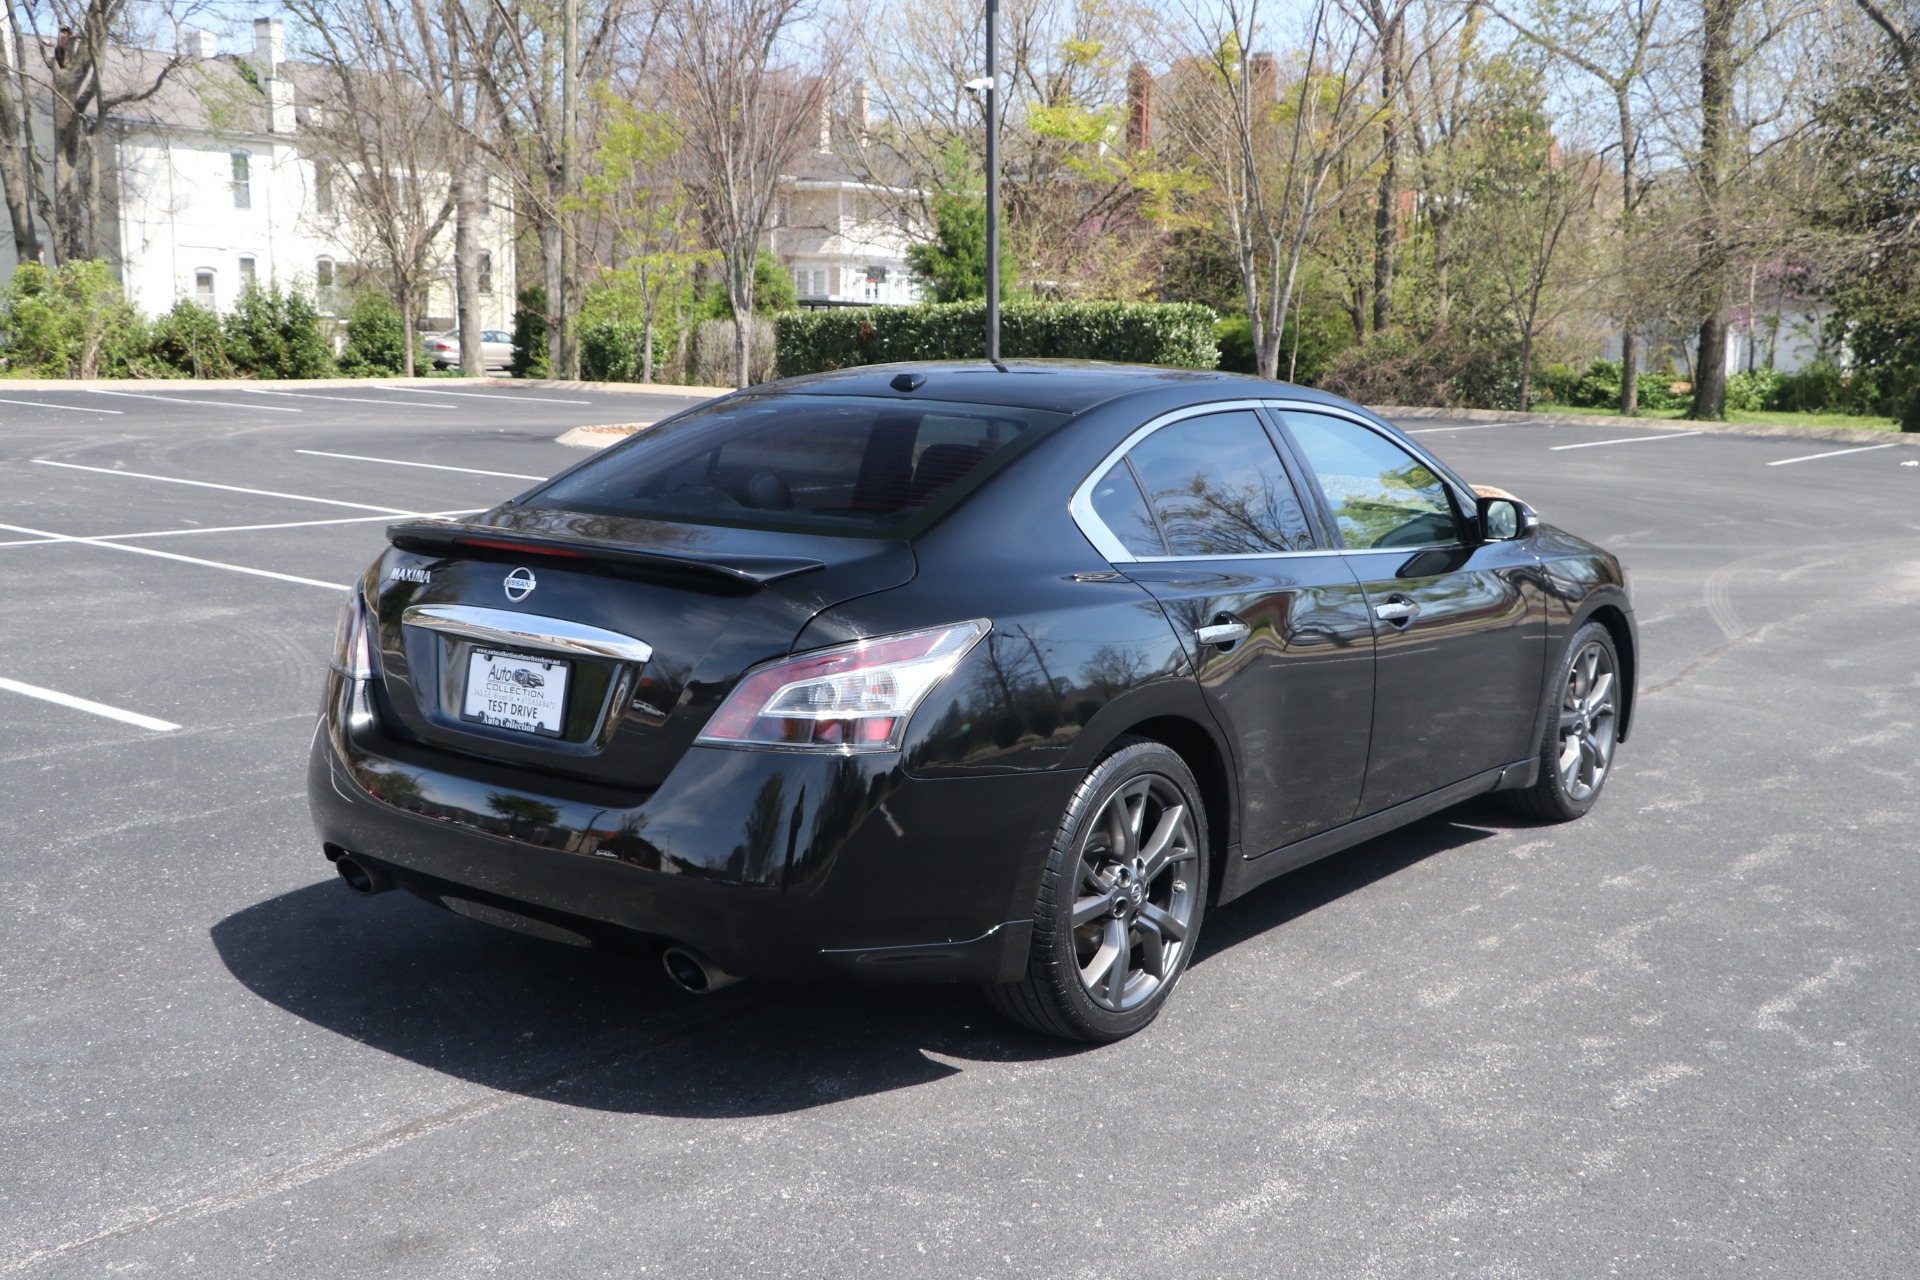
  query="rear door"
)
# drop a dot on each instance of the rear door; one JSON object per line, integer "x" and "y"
{"x": 1201, "y": 511}
{"x": 1459, "y": 635}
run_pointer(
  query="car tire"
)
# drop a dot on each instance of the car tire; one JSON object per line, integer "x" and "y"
{"x": 1129, "y": 865}
{"x": 1582, "y": 730}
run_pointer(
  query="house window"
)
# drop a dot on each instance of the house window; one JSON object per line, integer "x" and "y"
{"x": 820, "y": 282}
{"x": 242, "y": 179}
{"x": 203, "y": 286}
{"x": 323, "y": 273}
{"x": 486, "y": 272}
{"x": 322, "y": 187}
{"x": 247, "y": 277}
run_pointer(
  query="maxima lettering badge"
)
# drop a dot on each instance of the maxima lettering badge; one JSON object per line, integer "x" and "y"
{"x": 402, "y": 573}
{"x": 519, "y": 585}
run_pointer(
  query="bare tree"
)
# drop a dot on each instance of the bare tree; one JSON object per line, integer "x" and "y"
{"x": 1270, "y": 162}
{"x": 746, "y": 110}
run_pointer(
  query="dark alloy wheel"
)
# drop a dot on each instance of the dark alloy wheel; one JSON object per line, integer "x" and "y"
{"x": 1583, "y": 721}
{"x": 1120, "y": 901}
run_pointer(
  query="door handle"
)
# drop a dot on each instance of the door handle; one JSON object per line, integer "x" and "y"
{"x": 1397, "y": 609}
{"x": 1222, "y": 634}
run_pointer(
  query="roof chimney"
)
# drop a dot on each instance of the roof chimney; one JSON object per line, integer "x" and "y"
{"x": 269, "y": 44}
{"x": 269, "y": 55}
{"x": 1139, "y": 107}
{"x": 198, "y": 44}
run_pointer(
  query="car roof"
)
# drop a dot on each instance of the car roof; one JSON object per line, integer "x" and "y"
{"x": 1058, "y": 386}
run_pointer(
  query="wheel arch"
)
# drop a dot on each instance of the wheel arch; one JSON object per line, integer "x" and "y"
{"x": 1615, "y": 620}
{"x": 1195, "y": 744}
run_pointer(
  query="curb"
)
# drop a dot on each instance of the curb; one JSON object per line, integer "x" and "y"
{"x": 1844, "y": 435}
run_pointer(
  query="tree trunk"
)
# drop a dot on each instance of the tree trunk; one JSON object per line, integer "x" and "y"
{"x": 1629, "y": 371}
{"x": 466, "y": 272}
{"x": 740, "y": 291}
{"x": 646, "y": 349}
{"x": 1716, "y": 91}
{"x": 1386, "y": 214}
{"x": 407, "y": 338}
{"x": 554, "y": 277}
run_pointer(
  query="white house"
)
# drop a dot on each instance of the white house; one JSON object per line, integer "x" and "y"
{"x": 212, "y": 187}
{"x": 841, "y": 235}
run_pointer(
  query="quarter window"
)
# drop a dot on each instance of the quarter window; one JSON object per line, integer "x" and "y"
{"x": 1120, "y": 506}
{"x": 1218, "y": 489}
{"x": 1380, "y": 494}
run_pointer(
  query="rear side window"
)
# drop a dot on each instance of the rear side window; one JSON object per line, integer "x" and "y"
{"x": 819, "y": 464}
{"x": 1218, "y": 488}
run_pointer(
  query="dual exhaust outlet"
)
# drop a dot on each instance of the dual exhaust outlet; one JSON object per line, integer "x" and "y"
{"x": 689, "y": 970}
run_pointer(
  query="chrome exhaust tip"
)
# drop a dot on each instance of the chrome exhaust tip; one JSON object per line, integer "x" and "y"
{"x": 693, "y": 972}
{"x": 363, "y": 878}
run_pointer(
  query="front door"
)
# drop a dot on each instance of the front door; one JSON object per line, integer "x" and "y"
{"x": 1460, "y": 629}
{"x": 1274, "y": 622}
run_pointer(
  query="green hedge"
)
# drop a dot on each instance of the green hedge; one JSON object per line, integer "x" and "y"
{"x": 1178, "y": 333}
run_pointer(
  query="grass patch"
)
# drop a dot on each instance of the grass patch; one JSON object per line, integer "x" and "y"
{"x": 1757, "y": 417}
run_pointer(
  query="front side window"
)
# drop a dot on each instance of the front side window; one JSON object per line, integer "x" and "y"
{"x": 818, "y": 464}
{"x": 242, "y": 164}
{"x": 1380, "y": 494}
{"x": 1218, "y": 488}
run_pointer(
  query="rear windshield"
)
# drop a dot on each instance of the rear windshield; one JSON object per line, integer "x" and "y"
{"x": 822, "y": 464}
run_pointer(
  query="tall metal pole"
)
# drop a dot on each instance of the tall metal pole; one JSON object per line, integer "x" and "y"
{"x": 993, "y": 180}
{"x": 569, "y": 243}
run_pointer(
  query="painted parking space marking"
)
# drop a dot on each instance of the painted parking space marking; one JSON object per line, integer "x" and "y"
{"x": 229, "y": 488}
{"x": 88, "y": 705}
{"x": 68, "y": 408}
{"x": 427, "y": 466}
{"x": 241, "y": 528}
{"x": 218, "y": 404}
{"x": 508, "y": 396}
{"x": 49, "y": 536}
{"x": 1476, "y": 426}
{"x": 1832, "y": 453}
{"x": 1595, "y": 444}
{"x": 310, "y": 395}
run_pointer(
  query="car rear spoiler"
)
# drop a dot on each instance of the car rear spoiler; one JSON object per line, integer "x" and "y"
{"x": 441, "y": 537}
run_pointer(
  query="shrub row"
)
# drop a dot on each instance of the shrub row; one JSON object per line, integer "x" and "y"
{"x": 72, "y": 321}
{"x": 1179, "y": 334}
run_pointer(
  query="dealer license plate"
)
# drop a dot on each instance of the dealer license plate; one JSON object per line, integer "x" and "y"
{"x": 517, "y": 692}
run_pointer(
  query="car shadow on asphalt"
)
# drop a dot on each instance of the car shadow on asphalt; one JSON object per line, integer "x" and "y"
{"x": 605, "y": 1030}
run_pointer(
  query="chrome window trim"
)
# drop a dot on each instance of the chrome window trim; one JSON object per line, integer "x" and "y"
{"x": 526, "y": 631}
{"x": 1080, "y": 507}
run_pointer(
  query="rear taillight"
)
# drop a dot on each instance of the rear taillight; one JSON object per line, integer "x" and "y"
{"x": 353, "y": 640}
{"x": 852, "y": 697}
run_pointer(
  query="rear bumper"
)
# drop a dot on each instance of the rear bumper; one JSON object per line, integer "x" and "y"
{"x": 775, "y": 864}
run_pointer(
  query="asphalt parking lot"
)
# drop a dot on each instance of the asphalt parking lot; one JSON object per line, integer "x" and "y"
{"x": 1677, "y": 1038}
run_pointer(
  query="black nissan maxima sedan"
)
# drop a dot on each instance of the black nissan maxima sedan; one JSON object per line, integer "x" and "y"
{"x": 958, "y": 673}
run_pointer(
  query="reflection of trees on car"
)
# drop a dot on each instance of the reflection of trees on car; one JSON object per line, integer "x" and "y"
{"x": 1204, "y": 517}
{"x": 1400, "y": 507}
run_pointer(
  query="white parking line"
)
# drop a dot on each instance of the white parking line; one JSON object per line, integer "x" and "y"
{"x": 308, "y": 395}
{"x": 1835, "y": 453}
{"x": 428, "y": 466}
{"x": 169, "y": 555}
{"x": 84, "y": 704}
{"x": 229, "y": 488}
{"x": 1478, "y": 426}
{"x": 218, "y": 404}
{"x": 70, "y": 408}
{"x": 242, "y": 528}
{"x": 482, "y": 395}
{"x": 1595, "y": 444}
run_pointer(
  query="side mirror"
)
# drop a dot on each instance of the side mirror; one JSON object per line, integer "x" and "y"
{"x": 1505, "y": 519}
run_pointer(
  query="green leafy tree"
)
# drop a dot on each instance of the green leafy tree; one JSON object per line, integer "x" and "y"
{"x": 954, "y": 262}
{"x": 530, "y": 333}
{"x": 376, "y": 337}
{"x": 773, "y": 292}
{"x": 71, "y": 321}
{"x": 275, "y": 333}
{"x": 189, "y": 339}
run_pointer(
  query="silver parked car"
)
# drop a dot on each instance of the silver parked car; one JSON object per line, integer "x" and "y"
{"x": 496, "y": 349}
